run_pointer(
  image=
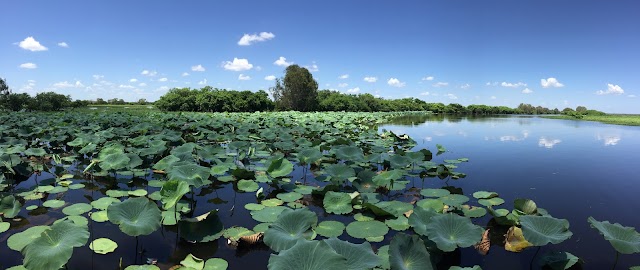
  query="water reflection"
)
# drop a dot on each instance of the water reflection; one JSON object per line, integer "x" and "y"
{"x": 525, "y": 134}
{"x": 608, "y": 139}
{"x": 548, "y": 143}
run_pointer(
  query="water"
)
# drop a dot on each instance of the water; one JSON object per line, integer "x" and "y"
{"x": 574, "y": 169}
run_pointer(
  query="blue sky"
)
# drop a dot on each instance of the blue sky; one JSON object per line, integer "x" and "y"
{"x": 547, "y": 52}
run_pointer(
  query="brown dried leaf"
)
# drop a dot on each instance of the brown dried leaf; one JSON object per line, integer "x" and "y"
{"x": 484, "y": 244}
{"x": 515, "y": 241}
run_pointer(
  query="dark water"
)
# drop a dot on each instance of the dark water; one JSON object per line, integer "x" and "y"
{"x": 573, "y": 169}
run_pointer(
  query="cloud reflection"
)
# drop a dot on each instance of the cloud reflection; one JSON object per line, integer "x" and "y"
{"x": 609, "y": 139}
{"x": 548, "y": 143}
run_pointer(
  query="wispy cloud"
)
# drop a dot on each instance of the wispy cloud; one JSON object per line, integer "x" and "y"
{"x": 428, "y": 78}
{"x": 513, "y": 85}
{"x": 198, "y": 68}
{"x": 313, "y": 67}
{"x": 527, "y": 91}
{"x": 465, "y": 86}
{"x": 248, "y": 39}
{"x": 370, "y": 79}
{"x": 440, "y": 84}
{"x": 149, "y": 73}
{"x": 63, "y": 44}
{"x": 270, "y": 78}
{"x": 28, "y": 65}
{"x": 353, "y": 90}
{"x": 344, "y": 76}
{"x": 243, "y": 77}
{"x": 452, "y": 96}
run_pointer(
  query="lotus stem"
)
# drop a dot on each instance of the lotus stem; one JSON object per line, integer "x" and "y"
{"x": 616, "y": 261}
{"x": 534, "y": 256}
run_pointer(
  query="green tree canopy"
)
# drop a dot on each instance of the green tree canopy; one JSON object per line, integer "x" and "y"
{"x": 296, "y": 91}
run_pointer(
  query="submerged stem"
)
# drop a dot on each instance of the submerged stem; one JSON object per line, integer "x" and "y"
{"x": 533, "y": 258}
{"x": 616, "y": 261}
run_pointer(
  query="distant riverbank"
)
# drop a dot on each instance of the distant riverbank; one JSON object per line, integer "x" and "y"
{"x": 616, "y": 119}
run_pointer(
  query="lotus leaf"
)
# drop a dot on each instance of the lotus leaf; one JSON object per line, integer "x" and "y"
{"x": 115, "y": 161}
{"x": 38, "y": 152}
{"x": 142, "y": 267}
{"x": 78, "y": 220}
{"x": 475, "y": 267}
{"x": 484, "y": 195}
{"x": 272, "y": 202}
{"x": 77, "y": 209}
{"x": 166, "y": 163}
{"x": 409, "y": 253}
{"x": 450, "y": 231}
{"x": 289, "y": 227}
{"x": 491, "y": 202}
{"x": 54, "y": 247}
{"x": 396, "y": 208}
{"x": 515, "y": 241}
{"x": 138, "y": 193}
{"x": 434, "y": 192}
{"x": 172, "y": 191}
{"x": 100, "y": 216}
{"x": 31, "y": 207}
{"x": 308, "y": 255}
{"x": 117, "y": 193}
{"x": 76, "y": 186}
{"x": 195, "y": 175}
{"x": 280, "y": 167}
{"x": 625, "y": 240}
{"x": 383, "y": 254}
{"x": 103, "y": 245}
{"x": 399, "y": 224}
{"x": 558, "y": 260}
{"x": 386, "y": 178}
{"x": 193, "y": 262}
{"x": 330, "y": 228}
{"x": 19, "y": 240}
{"x": 204, "y": 228}
{"x": 254, "y": 206}
{"x": 215, "y": 264}
{"x": 337, "y": 203}
{"x": 135, "y": 216}
{"x": 473, "y": 212}
{"x": 454, "y": 199}
{"x": 434, "y": 204}
{"x": 309, "y": 155}
{"x": 268, "y": 214}
{"x": 4, "y": 226}
{"x": 234, "y": 233}
{"x": 525, "y": 206}
{"x": 247, "y": 185}
{"x": 359, "y": 256}
{"x": 539, "y": 230}
{"x": 363, "y": 217}
{"x": 102, "y": 203}
{"x": 9, "y": 206}
{"x": 289, "y": 197}
{"x": 366, "y": 229}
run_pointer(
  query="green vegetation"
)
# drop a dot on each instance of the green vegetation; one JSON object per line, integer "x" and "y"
{"x": 616, "y": 119}
{"x": 297, "y": 91}
{"x": 149, "y": 167}
{"x": 210, "y": 99}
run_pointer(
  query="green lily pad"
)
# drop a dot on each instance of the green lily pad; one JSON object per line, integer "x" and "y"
{"x": 491, "y": 202}
{"x": 18, "y": 241}
{"x": 205, "y": 228}
{"x": 409, "y": 253}
{"x": 172, "y": 191}
{"x": 138, "y": 193}
{"x": 473, "y": 212}
{"x": 484, "y": 195}
{"x": 289, "y": 196}
{"x": 308, "y": 255}
{"x": 454, "y": 199}
{"x": 234, "y": 233}
{"x": 420, "y": 218}
{"x": 4, "y": 226}
{"x": 135, "y": 216}
{"x": 216, "y": 264}
{"x": 76, "y": 186}
{"x": 330, "y": 228}
{"x": 359, "y": 256}
{"x": 401, "y": 223}
{"x": 77, "y": 209}
{"x": 254, "y": 206}
{"x": 625, "y": 240}
{"x": 289, "y": 227}
{"x": 365, "y": 229}
{"x": 433, "y": 204}
{"x": 103, "y": 203}
{"x": 54, "y": 247}
{"x": 103, "y": 245}
{"x": 247, "y": 185}
{"x": 142, "y": 267}
{"x": 540, "y": 230}
{"x": 437, "y": 192}
{"x": 558, "y": 260}
{"x": 450, "y": 231}
{"x": 364, "y": 217}
{"x": 268, "y": 214}
{"x": 337, "y": 203}
{"x": 9, "y": 206}
{"x": 100, "y": 216}
{"x": 195, "y": 175}
{"x": 117, "y": 193}
{"x": 31, "y": 207}
{"x": 261, "y": 227}
{"x": 272, "y": 202}
{"x": 192, "y": 262}
{"x": 396, "y": 208}
{"x": 280, "y": 167}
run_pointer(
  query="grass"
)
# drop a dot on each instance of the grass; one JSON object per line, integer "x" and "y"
{"x": 616, "y": 119}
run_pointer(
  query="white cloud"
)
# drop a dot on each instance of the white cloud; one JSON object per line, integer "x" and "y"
{"x": 370, "y": 79}
{"x": 247, "y": 39}
{"x": 631, "y": 96}
{"x": 142, "y": 84}
{"x": 452, "y": 96}
{"x": 63, "y": 44}
{"x": 243, "y": 77}
{"x": 493, "y": 97}
{"x": 133, "y": 80}
{"x": 270, "y": 78}
{"x": 126, "y": 86}
{"x": 343, "y": 85}
{"x": 67, "y": 84}
{"x": 548, "y": 143}
{"x": 312, "y": 68}
{"x": 465, "y": 86}
{"x": 28, "y": 65}
{"x": 440, "y": 84}
{"x": 353, "y": 90}
{"x": 197, "y": 68}
{"x": 527, "y": 91}
{"x": 513, "y": 85}
{"x": 550, "y": 82}
{"x": 163, "y": 79}
{"x": 149, "y": 73}
{"x": 238, "y": 64}
{"x": 611, "y": 89}
{"x": 203, "y": 82}
{"x": 395, "y": 82}
{"x": 428, "y": 78}
{"x": 424, "y": 93}
{"x": 185, "y": 74}
{"x": 282, "y": 61}
{"x": 98, "y": 77}
{"x": 345, "y": 76}
{"x": 31, "y": 44}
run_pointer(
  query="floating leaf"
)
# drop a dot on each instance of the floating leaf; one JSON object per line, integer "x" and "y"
{"x": 365, "y": 229}
{"x": 434, "y": 192}
{"x": 18, "y": 241}
{"x": 539, "y": 230}
{"x": 138, "y": 193}
{"x": 420, "y": 218}
{"x": 234, "y": 233}
{"x": 330, "y": 228}
{"x": 558, "y": 260}
{"x": 450, "y": 231}
{"x": 4, "y": 226}
{"x": 77, "y": 209}
{"x": 289, "y": 227}
{"x": 454, "y": 199}
{"x": 401, "y": 223}
{"x": 142, "y": 267}
{"x": 409, "y": 253}
{"x": 491, "y": 202}
{"x": 289, "y": 196}
{"x": 280, "y": 167}
{"x": 625, "y": 240}
{"x": 172, "y": 191}
{"x": 247, "y": 185}
{"x": 337, "y": 203}
{"x": 216, "y": 264}
{"x": 103, "y": 245}
{"x": 9, "y": 206}
{"x": 100, "y": 216}
{"x": 359, "y": 256}
{"x": 205, "y": 228}
{"x": 473, "y": 212}
{"x": 272, "y": 202}
{"x": 254, "y": 206}
{"x": 525, "y": 206}
{"x": 135, "y": 216}
{"x": 193, "y": 262}
{"x": 484, "y": 195}
{"x": 515, "y": 241}
{"x": 54, "y": 247}
{"x": 307, "y": 255}
{"x": 194, "y": 174}
{"x": 102, "y": 203}
{"x": 268, "y": 214}
{"x": 340, "y": 172}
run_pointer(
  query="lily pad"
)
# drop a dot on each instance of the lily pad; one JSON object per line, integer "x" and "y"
{"x": 401, "y": 223}
{"x": 135, "y": 216}
{"x": 289, "y": 196}
{"x": 100, "y": 216}
{"x": 103, "y": 245}
{"x": 254, "y": 206}
{"x": 409, "y": 253}
{"x": 541, "y": 230}
{"x": 9, "y": 206}
{"x": 272, "y": 202}
{"x": 4, "y": 226}
{"x": 54, "y": 247}
{"x": 420, "y": 218}
{"x": 484, "y": 195}
{"x": 204, "y": 228}
{"x": 330, "y": 228}
{"x": 337, "y": 203}
{"x": 194, "y": 174}
{"x": 491, "y": 202}
{"x": 234, "y": 233}
{"x": 625, "y": 240}
{"x": 308, "y": 255}
{"x": 280, "y": 167}
{"x": 247, "y": 185}
{"x": 138, "y": 193}
{"x": 77, "y": 209}
{"x": 450, "y": 231}
{"x": 366, "y": 229}
{"x": 268, "y": 214}
{"x": 19, "y": 240}
{"x": 434, "y": 192}
{"x": 359, "y": 256}
{"x": 454, "y": 199}
{"x": 216, "y": 264}
{"x": 172, "y": 191}
{"x": 558, "y": 260}
{"x": 289, "y": 227}
{"x": 192, "y": 262}
{"x": 103, "y": 203}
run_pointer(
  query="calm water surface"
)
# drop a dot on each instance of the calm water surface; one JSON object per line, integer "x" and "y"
{"x": 573, "y": 169}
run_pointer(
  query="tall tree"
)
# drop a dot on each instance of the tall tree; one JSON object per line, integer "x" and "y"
{"x": 296, "y": 91}
{"x": 4, "y": 88}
